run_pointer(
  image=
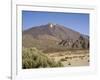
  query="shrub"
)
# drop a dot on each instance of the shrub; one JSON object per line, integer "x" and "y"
{"x": 33, "y": 58}
{"x": 63, "y": 59}
{"x": 69, "y": 63}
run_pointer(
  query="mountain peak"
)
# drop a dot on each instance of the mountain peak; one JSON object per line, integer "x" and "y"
{"x": 55, "y": 30}
{"x": 51, "y": 25}
{"x": 56, "y": 33}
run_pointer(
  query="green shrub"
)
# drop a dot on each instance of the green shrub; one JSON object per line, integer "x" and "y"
{"x": 33, "y": 58}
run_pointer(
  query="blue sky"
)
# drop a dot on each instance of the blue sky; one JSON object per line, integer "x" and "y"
{"x": 76, "y": 21}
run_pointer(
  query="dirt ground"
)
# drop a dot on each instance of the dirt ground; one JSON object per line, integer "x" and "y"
{"x": 71, "y": 58}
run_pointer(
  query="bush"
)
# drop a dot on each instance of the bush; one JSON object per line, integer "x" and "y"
{"x": 33, "y": 58}
{"x": 69, "y": 63}
{"x": 63, "y": 59}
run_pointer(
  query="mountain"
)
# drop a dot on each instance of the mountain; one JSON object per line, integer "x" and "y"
{"x": 54, "y": 37}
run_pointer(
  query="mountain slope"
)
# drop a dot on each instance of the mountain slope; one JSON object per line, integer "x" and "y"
{"x": 57, "y": 31}
{"x": 54, "y": 36}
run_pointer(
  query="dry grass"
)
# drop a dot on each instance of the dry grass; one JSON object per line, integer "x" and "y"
{"x": 72, "y": 58}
